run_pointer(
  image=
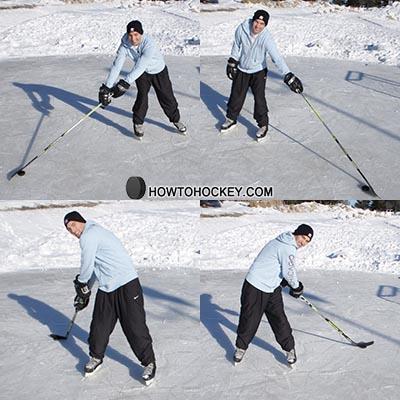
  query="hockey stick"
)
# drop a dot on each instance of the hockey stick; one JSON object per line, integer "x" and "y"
{"x": 71, "y": 323}
{"x": 365, "y": 188}
{"x": 21, "y": 172}
{"x": 362, "y": 345}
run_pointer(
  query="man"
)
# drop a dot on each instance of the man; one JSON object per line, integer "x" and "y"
{"x": 247, "y": 68}
{"x": 262, "y": 293}
{"x": 149, "y": 70}
{"x": 119, "y": 296}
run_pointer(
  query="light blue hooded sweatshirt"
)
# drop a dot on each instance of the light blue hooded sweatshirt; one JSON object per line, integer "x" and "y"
{"x": 103, "y": 255}
{"x": 252, "y": 55}
{"x": 275, "y": 262}
{"x": 147, "y": 58}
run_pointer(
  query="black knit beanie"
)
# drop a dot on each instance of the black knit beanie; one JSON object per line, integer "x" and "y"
{"x": 73, "y": 216}
{"x": 134, "y": 26}
{"x": 261, "y": 14}
{"x": 305, "y": 230}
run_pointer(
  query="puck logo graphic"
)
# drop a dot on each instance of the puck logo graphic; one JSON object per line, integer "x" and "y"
{"x": 135, "y": 187}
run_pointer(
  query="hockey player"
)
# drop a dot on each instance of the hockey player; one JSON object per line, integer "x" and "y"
{"x": 119, "y": 296}
{"x": 247, "y": 68}
{"x": 149, "y": 70}
{"x": 262, "y": 293}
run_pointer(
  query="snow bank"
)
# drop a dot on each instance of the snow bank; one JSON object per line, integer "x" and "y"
{"x": 156, "y": 234}
{"x": 170, "y": 234}
{"x": 96, "y": 28}
{"x": 314, "y": 30}
{"x": 306, "y": 29}
{"x": 345, "y": 239}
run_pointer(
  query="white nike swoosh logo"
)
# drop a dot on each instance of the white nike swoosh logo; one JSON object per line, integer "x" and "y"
{"x": 135, "y": 297}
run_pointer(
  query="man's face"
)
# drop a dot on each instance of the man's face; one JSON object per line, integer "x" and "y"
{"x": 75, "y": 228}
{"x": 135, "y": 38}
{"x": 258, "y": 26}
{"x": 301, "y": 240}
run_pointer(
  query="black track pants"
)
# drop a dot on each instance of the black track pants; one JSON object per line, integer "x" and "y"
{"x": 163, "y": 88}
{"x": 126, "y": 304}
{"x": 240, "y": 86}
{"x": 255, "y": 303}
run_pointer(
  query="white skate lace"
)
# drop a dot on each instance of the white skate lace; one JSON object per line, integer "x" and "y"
{"x": 261, "y": 131}
{"x": 290, "y": 355}
{"x": 179, "y": 125}
{"x": 148, "y": 370}
{"x": 139, "y": 128}
{"x": 92, "y": 363}
{"x": 239, "y": 353}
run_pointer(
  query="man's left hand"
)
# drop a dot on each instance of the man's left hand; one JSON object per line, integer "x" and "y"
{"x": 120, "y": 88}
{"x": 296, "y": 293}
{"x": 293, "y": 82}
{"x": 82, "y": 289}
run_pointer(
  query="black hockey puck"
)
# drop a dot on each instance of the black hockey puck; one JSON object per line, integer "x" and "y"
{"x": 21, "y": 173}
{"x": 135, "y": 187}
{"x": 365, "y": 188}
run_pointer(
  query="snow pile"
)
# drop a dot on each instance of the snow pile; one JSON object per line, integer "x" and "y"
{"x": 96, "y": 28}
{"x": 155, "y": 234}
{"x": 345, "y": 239}
{"x": 388, "y": 12}
{"x": 166, "y": 234}
{"x": 315, "y": 30}
{"x": 300, "y": 28}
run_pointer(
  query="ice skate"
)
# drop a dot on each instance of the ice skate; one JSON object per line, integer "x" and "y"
{"x": 93, "y": 365}
{"x": 180, "y": 127}
{"x": 138, "y": 130}
{"x": 238, "y": 356}
{"x": 261, "y": 133}
{"x": 149, "y": 373}
{"x": 228, "y": 125}
{"x": 291, "y": 357}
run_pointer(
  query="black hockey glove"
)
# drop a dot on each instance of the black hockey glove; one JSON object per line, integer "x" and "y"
{"x": 105, "y": 94}
{"x": 284, "y": 283}
{"x": 120, "y": 88}
{"x": 231, "y": 68}
{"x": 293, "y": 82}
{"x": 82, "y": 289}
{"x": 80, "y": 303}
{"x": 296, "y": 293}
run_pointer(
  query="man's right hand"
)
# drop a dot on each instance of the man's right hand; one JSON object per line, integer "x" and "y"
{"x": 231, "y": 68}
{"x": 80, "y": 303}
{"x": 105, "y": 94}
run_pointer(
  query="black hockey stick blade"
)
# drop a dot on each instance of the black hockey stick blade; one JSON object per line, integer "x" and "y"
{"x": 57, "y": 337}
{"x": 15, "y": 172}
{"x": 364, "y": 345}
{"x": 370, "y": 190}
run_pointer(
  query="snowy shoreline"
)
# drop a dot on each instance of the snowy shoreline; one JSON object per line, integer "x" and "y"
{"x": 37, "y": 240}
{"x": 345, "y": 239}
{"x": 171, "y": 234}
{"x": 57, "y": 28}
{"x": 53, "y": 27}
{"x": 314, "y": 30}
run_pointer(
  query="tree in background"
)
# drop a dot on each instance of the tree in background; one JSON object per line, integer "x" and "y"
{"x": 279, "y": 203}
{"x": 362, "y": 3}
{"x": 378, "y": 205}
{"x": 326, "y": 202}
